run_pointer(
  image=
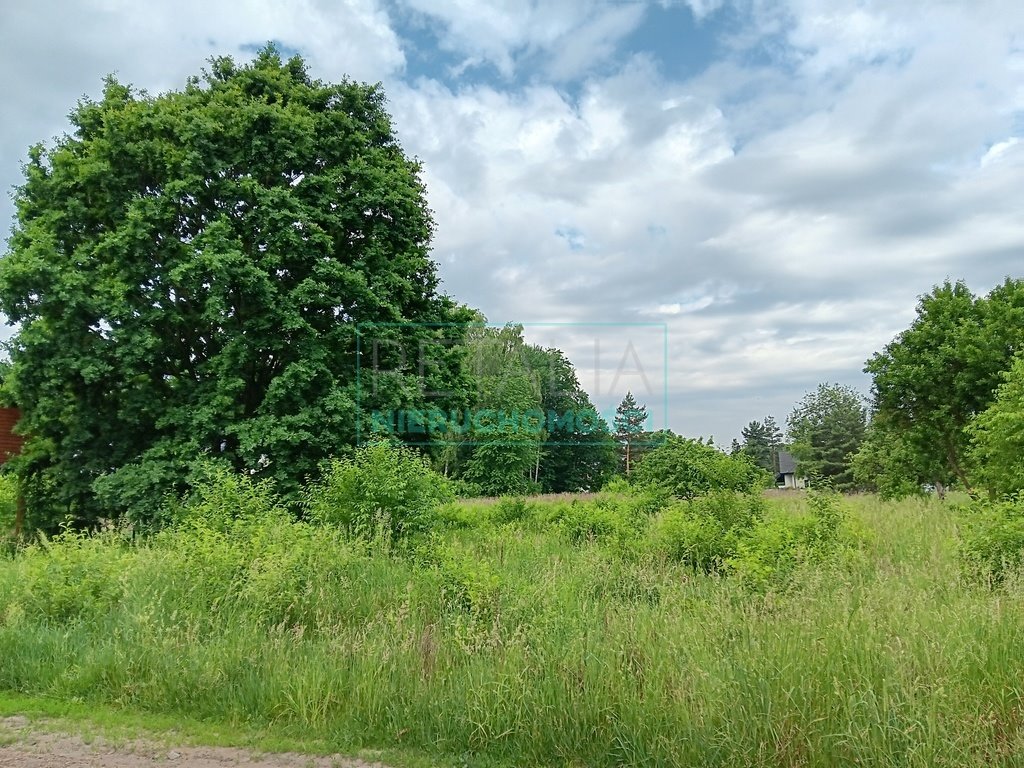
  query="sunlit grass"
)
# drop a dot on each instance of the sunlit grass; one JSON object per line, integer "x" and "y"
{"x": 501, "y": 636}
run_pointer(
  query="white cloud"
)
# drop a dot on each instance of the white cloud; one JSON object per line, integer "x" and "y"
{"x": 781, "y": 210}
{"x": 568, "y": 37}
{"x": 700, "y": 8}
{"x": 997, "y": 150}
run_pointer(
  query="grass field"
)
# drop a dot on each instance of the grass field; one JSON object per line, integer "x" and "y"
{"x": 511, "y": 635}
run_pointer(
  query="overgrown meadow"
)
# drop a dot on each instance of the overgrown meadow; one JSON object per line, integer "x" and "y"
{"x": 627, "y": 629}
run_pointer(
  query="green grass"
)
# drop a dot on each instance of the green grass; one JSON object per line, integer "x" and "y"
{"x": 507, "y": 638}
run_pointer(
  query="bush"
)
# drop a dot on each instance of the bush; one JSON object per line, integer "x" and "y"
{"x": 601, "y": 520}
{"x": 8, "y": 503}
{"x": 221, "y": 496}
{"x": 775, "y": 546}
{"x": 511, "y": 509}
{"x": 383, "y": 489}
{"x": 144, "y": 492}
{"x": 68, "y": 576}
{"x": 992, "y": 538}
{"x": 688, "y": 468}
{"x": 704, "y": 533}
{"x": 729, "y": 532}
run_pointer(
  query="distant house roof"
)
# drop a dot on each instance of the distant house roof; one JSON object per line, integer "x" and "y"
{"x": 787, "y": 464}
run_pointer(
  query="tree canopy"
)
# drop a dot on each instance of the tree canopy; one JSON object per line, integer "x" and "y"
{"x": 825, "y": 430}
{"x": 630, "y": 420}
{"x": 938, "y": 374}
{"x": 997, "y": 436}
{"x": 762, "y": 441}
{"x": 188, "y": 271}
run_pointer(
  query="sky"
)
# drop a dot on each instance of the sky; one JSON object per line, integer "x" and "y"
{"x": 715, "y": 203}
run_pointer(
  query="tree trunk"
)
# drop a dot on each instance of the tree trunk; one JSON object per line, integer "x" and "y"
{"x": 954, "y": 463}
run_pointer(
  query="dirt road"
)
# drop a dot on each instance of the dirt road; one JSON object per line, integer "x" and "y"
{"x": 22, "y": 745}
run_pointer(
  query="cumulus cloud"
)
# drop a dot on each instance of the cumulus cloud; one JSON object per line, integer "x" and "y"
{"x": 779, "y": 211}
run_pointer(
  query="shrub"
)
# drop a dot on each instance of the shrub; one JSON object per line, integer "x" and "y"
{"x": 731, "y": 532}
{"x": 992, "y": 538}
{"x": 688, "y": 468}
{"x": 145, "y": 492}
{"x": 221, "y": 496}
{"x": 775, "y": 546}
{"x": 704, "y": 533}
{"x": 383, "y": 488}
{"x": 8, "y": 503}
{"x": 511, "y": 509}
{"x": 68, "y": 576}
{"x": 619, "y": 521}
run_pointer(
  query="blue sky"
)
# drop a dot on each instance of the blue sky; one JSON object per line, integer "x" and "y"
{"x": 772, "y": 182}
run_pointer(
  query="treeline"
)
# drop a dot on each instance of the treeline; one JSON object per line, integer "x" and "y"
{"x": 946, "y": 406}
{"x": 521, "y": 424}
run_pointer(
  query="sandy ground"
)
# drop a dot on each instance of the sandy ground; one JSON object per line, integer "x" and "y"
{"x": 23, "y": 746}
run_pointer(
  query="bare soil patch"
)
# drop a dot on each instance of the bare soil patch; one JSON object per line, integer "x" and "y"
{"x": 22, "y": 746}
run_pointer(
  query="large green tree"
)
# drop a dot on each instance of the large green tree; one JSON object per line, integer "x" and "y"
{"x": 825, "y": 431}
{"x": 888, "y": 464}
{"x": 936, "y": 376}
{"x": 187, "y": 273}
{"x": 997, "y": 436}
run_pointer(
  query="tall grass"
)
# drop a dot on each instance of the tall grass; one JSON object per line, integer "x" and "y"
{"x": 508, "y": 634}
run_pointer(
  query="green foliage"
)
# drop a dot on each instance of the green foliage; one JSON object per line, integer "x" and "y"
{"x": 505, "y": 454}
{"x": 511, "y": 510}
{"x": 222, "y": 496}
{"x": 761, "y": 443}
{"x": 778, "y": 545}
{"x": 826, "y": 429}
{"x": 468, "y": 586}
{"x": 992, "y": 538}
{"x": 70, "y": 576}
{"x": 736, "y": 534}
{"x": 630, "y": 420}
{"x": 887, "y": 463}
{"x": 508, "y": 644}
{"x": 187, "y": 271}
{"x": 144, "y": 492}
{"x": 530, "y": 426}
{"x": 382, "y": 488}
{"x": 8, "y": 503}
{"x": 998, "y": 436}
{"x": 578, "y": 452}
{"x": 936, "y": 376}
{"x": 689, "y": 468}
{"x": 705, "y": 533}
{"x": 607, "y": 519}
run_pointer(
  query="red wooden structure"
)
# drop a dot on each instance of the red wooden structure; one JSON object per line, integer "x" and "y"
{"x": 10, "y": 443}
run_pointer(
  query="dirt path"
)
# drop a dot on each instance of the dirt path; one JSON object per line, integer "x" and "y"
{"x": 24, "y": 746}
